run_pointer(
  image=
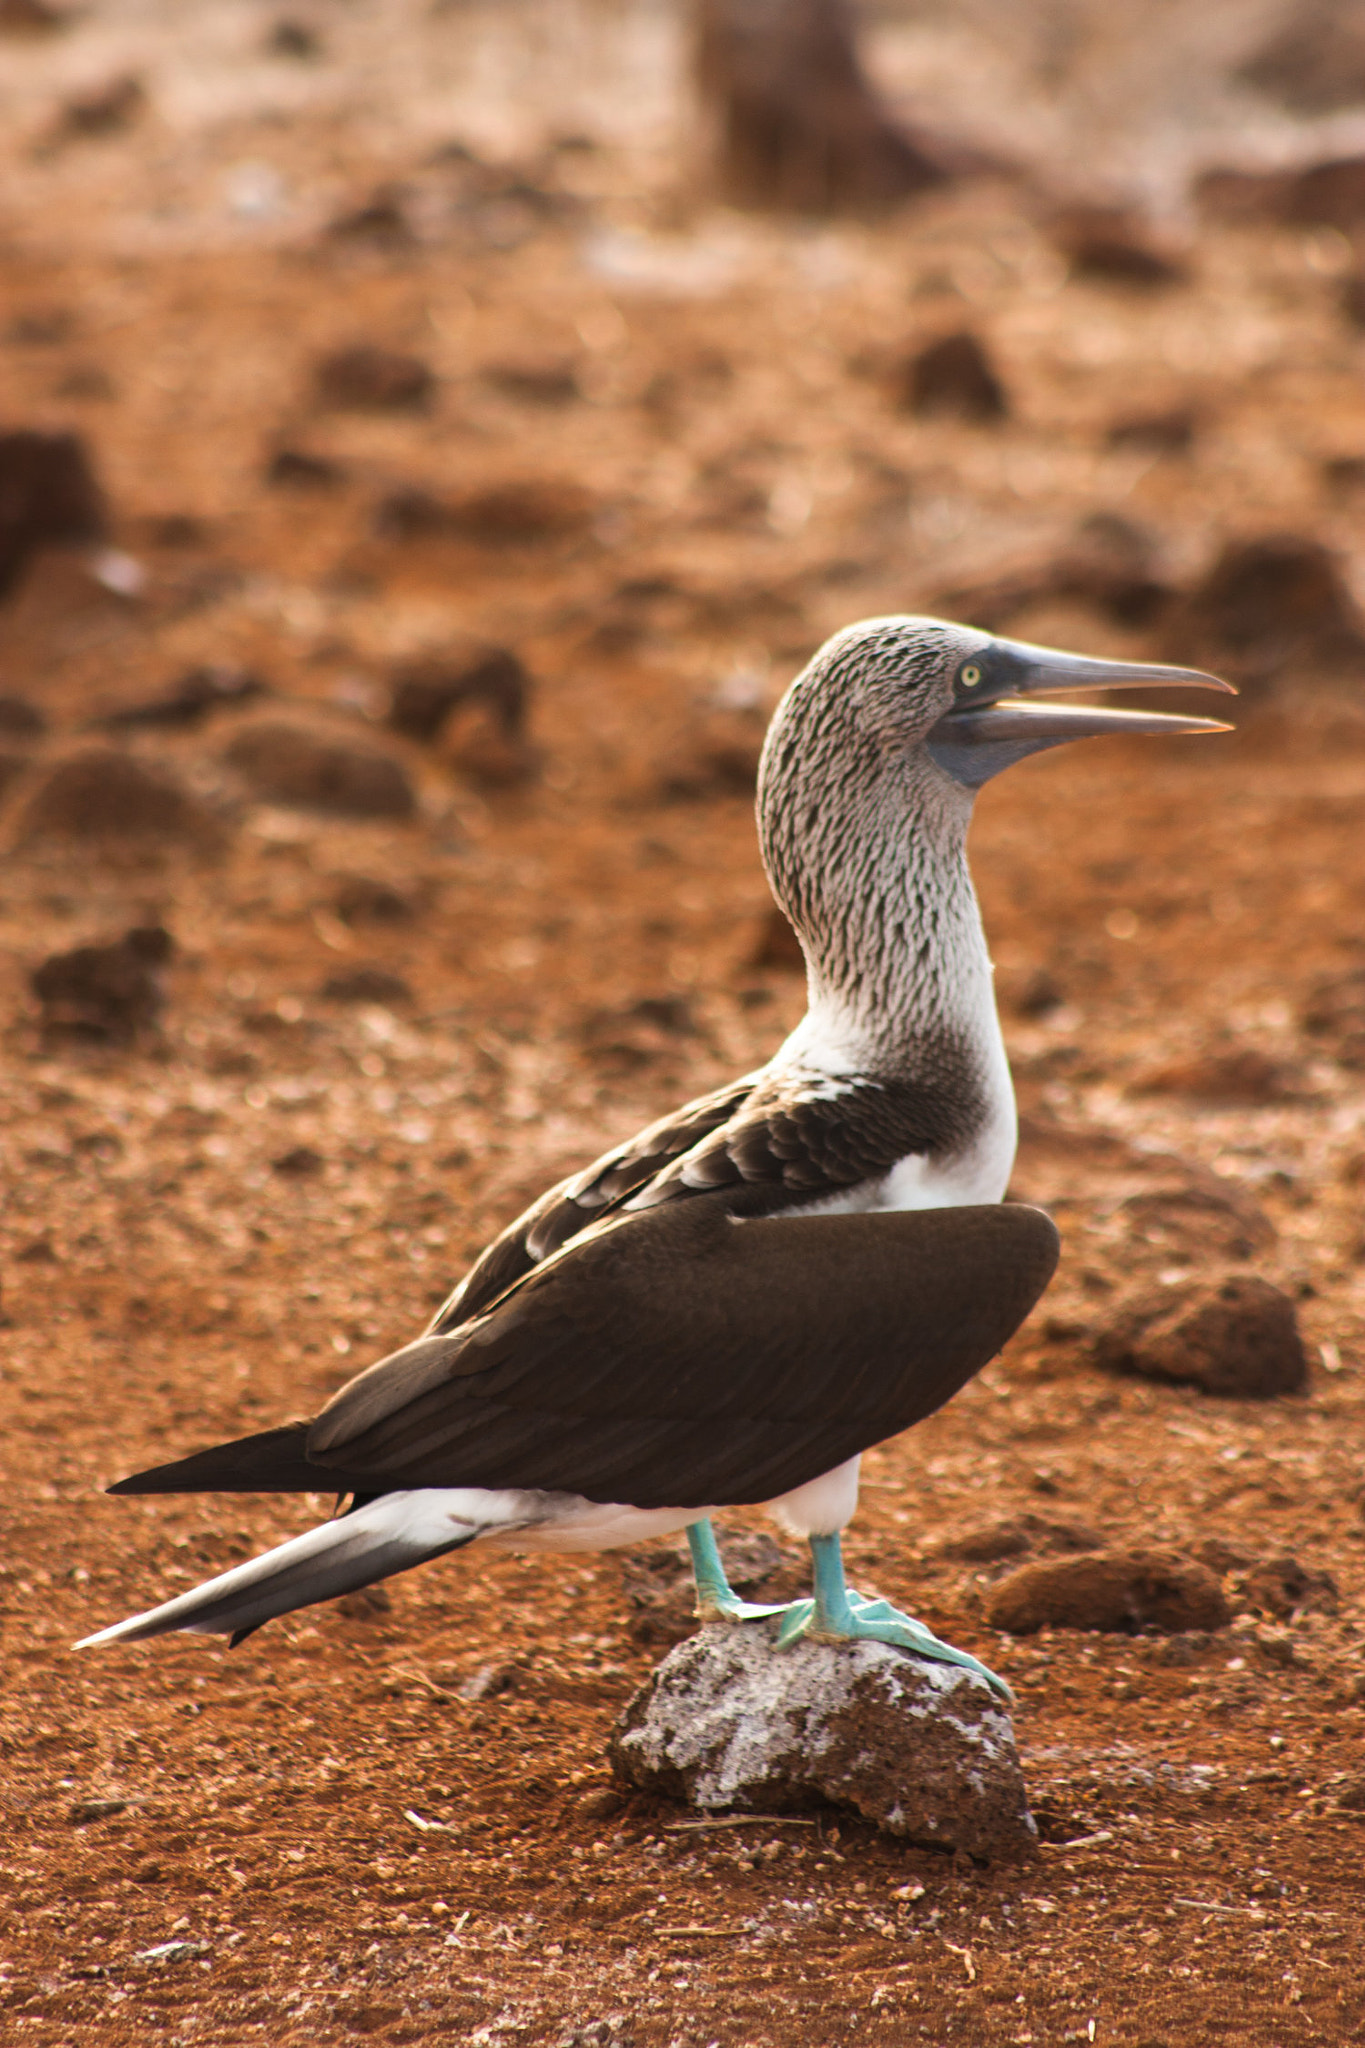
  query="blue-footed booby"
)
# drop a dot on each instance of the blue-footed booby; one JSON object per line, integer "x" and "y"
{"x": 731, "y": 1307}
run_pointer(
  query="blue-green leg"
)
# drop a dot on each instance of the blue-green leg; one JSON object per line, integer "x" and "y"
{"x": 716, "y": 1598}
{"x": 840, "y": 1615}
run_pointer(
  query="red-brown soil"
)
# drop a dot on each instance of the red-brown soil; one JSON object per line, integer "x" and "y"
{"x": 395, "y": 1821}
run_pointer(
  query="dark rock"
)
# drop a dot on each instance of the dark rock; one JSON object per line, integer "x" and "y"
{"x": 366, "y": 985}
{"x": 1243, "y": 198}
{"x": 1015, "y": 1536}
{"x": 104, "y": 111}
{"x": 1170, "y": 431}
{"x": 1315, "y": 62}
{"x": 1119, "y": 1592}
{"x": 102, "y": 796}
{"x": 425, "y": 693}
{"x": 299, "y": 1164}
{"x": 1109, "y": 244}
{"x": 1243, "y": 1075}
{"x": 296, "y": 469}
{"x": 360, "y": 899}
{"x": 41, "y": 327}
{"x": 288, "y": 764}
{"x": 1237, "y": 1337}
{"x": 954, "y": 377}
{"x": 20, "y": 720}
{"x": 175, "y": 530}
{"x": 1352, "y": 298}
{"x": 1109, "y": 561}
{"x": 188, "y": 701}
{"x": 797, "y": 123}
{"x": 49, "y": 497}
{"x": 1329, "y": 194}
{"x": 552, "y": 382}
{"x": 367, "y": 1603}
{"x": 1037, "y": 995}
{"x": 366, "y": 379}
{"x": 639, "y": 1032}
{"x": 110, "y": 994}
{"x": 776, "y": 944}
{"x": 380, "y": 220}
{"x": 293, "y": 39}
{"x": 1198, "y": 1220}
{"x": 12, "y": 766}
{"x": 924, "y": 1750}
{"x": 1335, "y": 1011}
{"x": 1283, "y": 1587}
{"x": 31, "y": 18}
{"x": 508, "y": 514}
{"x": 1269, "y": 604}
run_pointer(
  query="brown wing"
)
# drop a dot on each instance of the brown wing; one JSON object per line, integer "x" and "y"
{"x": 681, "y": 1358}
{"x": 684, "y": 1358}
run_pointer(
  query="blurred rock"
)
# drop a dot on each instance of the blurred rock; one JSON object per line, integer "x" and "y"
{"x": 1170, "y": 431}
{"x": 1335, "y": 1011}
{"x": 302, "y": 1163}
{"x": 553, "y": 381}
{"x": 30, "y": 18}
{"x": 1199, "y": 1221}
{"x": 924, "y": 1751}
{"x": 1237, "y": 1337}
{"x": 366, "y": 985}
{"x": 1283, "y": 1587}
{"x": 108, "y": 994}
{"x": 1315, "y": 62}
{"x": 296, "y": 469}
{"x": 1243, "y": 1075}
{"x": 188, "y": 701}
{"x": 286, "y": 763}
{"x": 797, "y": 123}
{"x": 1330, "y": 194}
{"x": 1119, "y": 1592}
{"x": 360, "y": 899}
{"x": 992, "y": 1542}
{"x": 637, "y": 1033}
{"x": 776, "y": 945}
{"x": 20, "y": 720}
{"x": 425, "y": 693}
{"x": 380, "y": 220}
{"x": 49, "y": 497}
{"x": 1110, "y": 561}
{"x": 661, "y": 1594}
{"x": 1351, "y": 298}
{"x": 41, "y": 327}
{"x": 1266, "y": 606}
{"x": 103, "y": 797}
{"x": 1110, "y": 245}
{"x": 509, "y": 514}
{"x": 953, "y": 377}
{"x": 366, "y": 379}
{"x": 289, "y": 37}
{"x": 106, "y": 110}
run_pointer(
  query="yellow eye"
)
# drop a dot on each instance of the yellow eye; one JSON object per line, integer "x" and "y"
{"x": 970, "y": 676}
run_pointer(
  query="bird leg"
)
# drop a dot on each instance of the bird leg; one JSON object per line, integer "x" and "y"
{"x": 839, "y": 1615}
{"x": 717, "y": 1599}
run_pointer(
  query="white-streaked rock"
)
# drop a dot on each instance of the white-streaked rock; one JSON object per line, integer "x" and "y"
{"x": 925, "y": 1750}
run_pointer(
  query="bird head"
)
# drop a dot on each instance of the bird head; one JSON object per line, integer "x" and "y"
{"x": 969, "y": 702}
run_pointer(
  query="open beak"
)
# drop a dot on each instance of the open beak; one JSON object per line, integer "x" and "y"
{"x": 1002, "y": 718}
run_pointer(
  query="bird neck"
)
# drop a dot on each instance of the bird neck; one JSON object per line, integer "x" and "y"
{"x": 881, "y": 897}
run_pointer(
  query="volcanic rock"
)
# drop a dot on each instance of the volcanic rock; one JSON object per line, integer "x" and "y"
{"x": 105, "y": 797}
{"x": 1335, "y": 1010}
{"x": 188, "y": 701}
{"x": 1169, "y": 431}
{"x": 425, "y": 693}
{"x": 1266, "y": 605}
{"x": 1314, "y": 63}
{"x": 103, "y": 111}
{"x": 366, "y": 985}
{"x": 363, "y": 899}
{"x": 288, "y": 764}
{"x": 797, "y": 122}
{"x": 1241, "y": 1076}
{"x": 1109, "y": 244}
{"x": 367, "y": 379}
{"x": 515, "y": 512}
{"x": 110, "y": 993}
{"x": 20, "y": 720}
{"x": 299, "y": 469}
{"x": 1238, "y": 1337}
{"x": 1283, "y": 1587}
{"x": 953, "y": 377}
{"x": 926, "y": 1751}
{"x": 1118, "y": 1592}
{"x": 49, "y": 497}
{"x": 776, "y": 944}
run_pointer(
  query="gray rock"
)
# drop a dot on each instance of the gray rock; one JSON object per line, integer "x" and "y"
{"x": 924, "y": 1750}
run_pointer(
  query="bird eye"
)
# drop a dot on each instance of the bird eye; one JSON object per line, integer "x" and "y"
{"x": 969, "y": 676}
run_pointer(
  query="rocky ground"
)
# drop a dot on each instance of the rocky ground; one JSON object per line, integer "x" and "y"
{"x": 442, "y": 525}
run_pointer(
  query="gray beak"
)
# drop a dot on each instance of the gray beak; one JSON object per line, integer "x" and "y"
{"x": 1000, "y": 719}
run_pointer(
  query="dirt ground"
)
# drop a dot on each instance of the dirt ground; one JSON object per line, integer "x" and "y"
{"x": 397, "y": 1820}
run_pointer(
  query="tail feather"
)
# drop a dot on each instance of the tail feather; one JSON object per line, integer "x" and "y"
{"x": 387, "y": 1535}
